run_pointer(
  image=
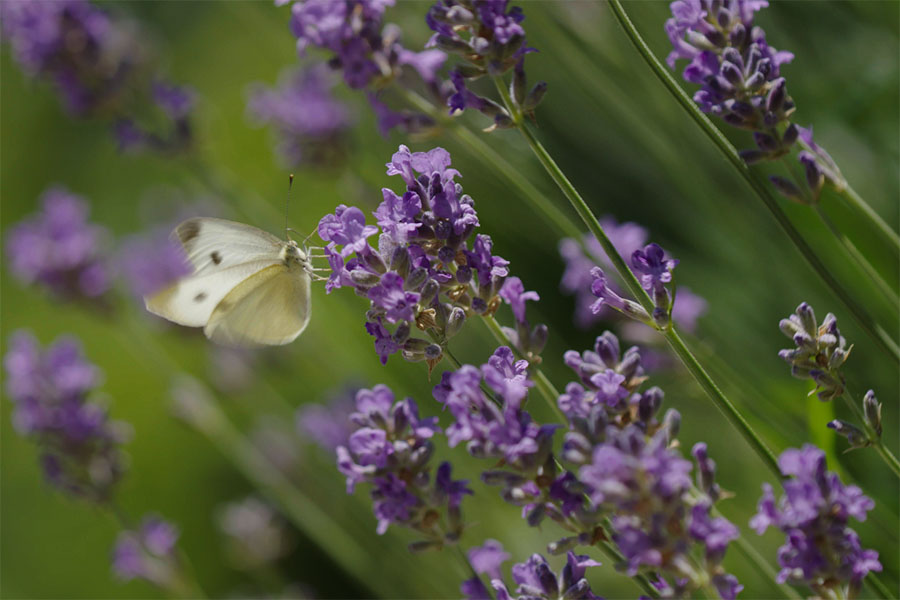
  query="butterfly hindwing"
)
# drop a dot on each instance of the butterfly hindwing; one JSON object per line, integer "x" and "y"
{"x": 269, "y": 308}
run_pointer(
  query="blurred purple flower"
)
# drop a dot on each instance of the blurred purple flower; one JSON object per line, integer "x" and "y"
{"x": 309, "y": 122}
{"x": 536, "y": 580}
{"x": 49, "y": 388}
{"x": 147, "y": 553}
{"x": 152, "y": 262}
{"x": 328, "y": 424}
{"x": 59, "y": 249}
{"x": 255, "y": 532}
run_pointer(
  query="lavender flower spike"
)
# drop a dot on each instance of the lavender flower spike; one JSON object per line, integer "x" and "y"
{"x": 819, "y": 353}
{"x": 80, "y": 446}
{"x": 60, "y": 249}
{"x": 309, "y": 122}
{"x": 820, "y": 549}
{"x": 536, "y": 580}
{"x": 391, "y": 449}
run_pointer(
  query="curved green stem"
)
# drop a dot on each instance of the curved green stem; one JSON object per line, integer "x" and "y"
{"x": 886, "y": 455}
{"x": 862, "y": 208}
{"x": 675, "y": 342}
{"x": 859, "y": 313}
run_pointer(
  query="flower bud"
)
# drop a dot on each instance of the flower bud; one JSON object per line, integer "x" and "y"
{"x": 854, "y": 434}
{"x": 455, "y": 321}
{"x": 872, "y": 410}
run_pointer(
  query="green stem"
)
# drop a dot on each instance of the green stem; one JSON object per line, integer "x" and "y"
{"x": 874, "y": 438}
{"x": 862, "y": 317}
{"x": 862, "y": 208}
{"x": 858, "y": 257}
{"x": 634, "y": 286}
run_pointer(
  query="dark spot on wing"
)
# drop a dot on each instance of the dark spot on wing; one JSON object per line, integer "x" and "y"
{"x": 216, "y": 257}
{"x": 188, "y": 230}
{"x": 200, "y": 297}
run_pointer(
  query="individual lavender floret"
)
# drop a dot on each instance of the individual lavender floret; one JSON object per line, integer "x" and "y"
{"x": 368, "y": 53}
{"x": 148, "y": 553}
{"x": 819, "y": 352}
{"x": 488, "y": 36}
{"x": 654, "y": 271}
{"x": 627, "y": 238}
{"x": 79, "y": 445}
{"x": 328, "y": 424}
{"x": 58, "y": 248}
{"x": 534, "y": 577}
{"x": 820, "y": 548}
{"x": 391, "y": 449}
{"x": 645, "y": 485}
{"x": 76, "y": 46}
{"x": 309, "y": 122}
{"x": 424, "y": 274}
{"x": 255, "y": 533}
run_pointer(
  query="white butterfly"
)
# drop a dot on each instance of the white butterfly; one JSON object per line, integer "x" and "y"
{"x": 248, "y": 287}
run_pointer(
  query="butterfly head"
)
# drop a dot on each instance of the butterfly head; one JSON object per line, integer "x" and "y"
{"x": 293, "y": 255}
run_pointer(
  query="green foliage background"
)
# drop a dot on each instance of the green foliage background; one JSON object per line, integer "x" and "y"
{"x": 626, "y": 145}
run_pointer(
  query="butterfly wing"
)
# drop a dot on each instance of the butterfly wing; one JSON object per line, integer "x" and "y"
{"x": 269, "y": 308}
{"x": 215, "y": 244}
{"x": 192, "y": 300}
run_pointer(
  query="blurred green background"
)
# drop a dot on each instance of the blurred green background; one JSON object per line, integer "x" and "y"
{"x": 626, "y": 145}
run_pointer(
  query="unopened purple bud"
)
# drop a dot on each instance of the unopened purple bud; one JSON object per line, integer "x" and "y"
{"x": 363, "y": 278}
{"x": 455, "y": 321}
{"x": 400, "y": 261}
{"x": 738, "y": 35}
{"x": 855, "y": 436}
{"x": 429, "y": 292}
{"x": 815, "y": 178}
{"x": 607, "y": 346}
{"x": 872, "y": 410}
{"x": 751, "y": 157}
{"x": 402, "y": 333}
{"x": 649, "y": 404}
{"x": 807, "y": 317}
{"x": 732, "y": 73}
{"x": 535, "y": 96}
{"x": 538, "y": 338}
{"x": 415, "y": 279}
{"x": 755, "y": 81}
{"x": 433, "y": 352}
{"x": 766, "y": 142}
{"x": 446, "y": 255}
{"x": 787, "y": 188}
{"x": 672, "y": 424}
{"x": 790, "y": 135}
{"x": 536, "y": 515}
{"x": 464, "y": 274}
{"x": 776, "y": 97}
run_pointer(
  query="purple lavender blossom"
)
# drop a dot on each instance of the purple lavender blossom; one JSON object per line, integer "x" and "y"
{"x": 489, "y": 37}
{"x": 424, "y": 274}
{"x": 80, "y": 446}
{"x": 741, "y": 82}
{"x": 58, "y": 248}
{"x": 492, "y": 431}
{"x": 577, "y": 280}
{"x": 309, "y": 122}
{"x": 488, "y": 558}
{"x": 391, "y": 449}
{"x": 328, "y": 424}
{"x": 147, "y": 553}
{"x": 87, "y": 56}
{"x": 819, "y": 353}
{"x": 368, "y": 53}
{"x": 534, "y": 577}
{"x": 820, "y": 549}
{"x": 646, "y": 486}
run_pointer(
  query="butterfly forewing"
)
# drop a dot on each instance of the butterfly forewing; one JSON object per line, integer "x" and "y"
{"x": 212, "y": 244}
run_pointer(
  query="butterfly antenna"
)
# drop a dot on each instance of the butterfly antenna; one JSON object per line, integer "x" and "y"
{"x": 287, "y": 202}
